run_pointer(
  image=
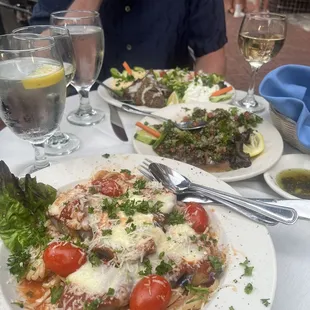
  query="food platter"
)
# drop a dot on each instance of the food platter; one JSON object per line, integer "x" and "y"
{"x": 104, "y": 94}
{"x": 235, "y": 233}
{"x": 261, "y": 163}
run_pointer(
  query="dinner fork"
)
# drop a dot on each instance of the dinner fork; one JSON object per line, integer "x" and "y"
{"x": 252, "y": 215}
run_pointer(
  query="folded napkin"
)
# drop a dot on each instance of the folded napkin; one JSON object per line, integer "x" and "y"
{"x": 287, "y": 89}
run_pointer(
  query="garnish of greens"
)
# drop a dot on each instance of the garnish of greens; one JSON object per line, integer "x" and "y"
{"x": 265, "y": 302}
{"x": 248, "y": 288}
{"x": 56, "y": 293}
{"x": 200, "y": 293}
{"x": 23, "y": 206}
{"x": 220, "y": 141}
{"x": 248, "y": 270}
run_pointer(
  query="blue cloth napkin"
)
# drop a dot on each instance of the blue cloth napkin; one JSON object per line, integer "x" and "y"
{"x": 287, "y": 89}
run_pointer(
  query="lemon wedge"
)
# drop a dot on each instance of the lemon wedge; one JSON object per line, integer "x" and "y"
{"x": 256, "y": 145}
{"x": 44, "y": 76}
{"x": 173, "y": 99}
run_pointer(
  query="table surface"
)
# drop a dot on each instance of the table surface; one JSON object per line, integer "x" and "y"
{"x": 292, "y": 243}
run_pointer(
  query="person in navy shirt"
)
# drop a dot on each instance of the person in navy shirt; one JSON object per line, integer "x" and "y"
{"x": 159, "y": 34}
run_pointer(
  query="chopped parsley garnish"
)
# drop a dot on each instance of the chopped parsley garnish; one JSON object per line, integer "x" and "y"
{"x": 203, "y": 237}
{"x": 161, "y": 255}
{"x": 168, "y": 238}
{"x": 106, "y": 232}
{"x": 248, "y": 270}
{"x": 131, "y": 228}
{"x": 56, "y": 293}
{"x": 90, "y": 210}
{"x": 92, "y": 190}
{"x": 126, "y": 171}
{"x": 130, "y": 220}
{"x": 200, "y": 293}
{"x": 18, "y": 303}
{"x": 163, "y": 268}
{"x": 18, "y": 263}
{"x": 245, "y": 263}
{"x": 235, "y": 281}
{"x": 94, "y": 259}
{"x": 265, "y": 302}
{"x": 146, "y": 123}
{"x": 231, "y": 308}
{"x": 92, "y": 305}
{"x": 193, "y": 238}
{"x": 175, "y": 218}
{"x": 216, "y": 264}
{"x": 106, "y": 155}
{"x": 248, "y": 289}
{"x": 147, "y": 268}
{"x": 139, "y": 184}
{"x": 111, "y": 291}
{"x": 109, "y": 206}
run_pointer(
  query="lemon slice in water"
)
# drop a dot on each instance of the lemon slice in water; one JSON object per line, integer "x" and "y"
{"x": 44, "y": 76}
{"x": 173, "y": 99}
{"x": 256, "y": 145}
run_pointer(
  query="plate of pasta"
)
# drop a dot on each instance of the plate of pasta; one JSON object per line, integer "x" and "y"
{"x": 93, "y": 233}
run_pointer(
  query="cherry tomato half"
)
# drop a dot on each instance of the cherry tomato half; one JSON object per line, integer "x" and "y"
{"x": 109, "y": 188}
{"x": 151, "y": 293}
{"x": 63, "y": 258}
{"x": 197, "y": 216}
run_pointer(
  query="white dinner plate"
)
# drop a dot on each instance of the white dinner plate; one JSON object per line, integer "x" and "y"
{"x": 260, "y": 164}
{"x": 104, "y": 94}
{"x": 292, "y": 161}
{"x": 239, "y": 236}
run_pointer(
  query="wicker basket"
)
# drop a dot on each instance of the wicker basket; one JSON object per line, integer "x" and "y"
{"x": 287, "y": 128}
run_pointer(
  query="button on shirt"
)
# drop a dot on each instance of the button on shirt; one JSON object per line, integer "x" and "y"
{"x": 152, "y": 34}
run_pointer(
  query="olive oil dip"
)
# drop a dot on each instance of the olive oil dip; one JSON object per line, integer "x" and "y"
{"x": 295, "y": 182}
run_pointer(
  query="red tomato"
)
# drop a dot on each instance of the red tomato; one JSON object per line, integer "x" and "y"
{"x": 197, "y": 216}
{"x": 109, "y": 188}
{"x": 151, "y": 293}
{"x": 162, "y": 73}
{"x": 63, "y": 258}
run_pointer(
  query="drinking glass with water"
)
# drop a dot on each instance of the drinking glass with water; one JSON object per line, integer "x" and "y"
{"x": 32, "y": 89}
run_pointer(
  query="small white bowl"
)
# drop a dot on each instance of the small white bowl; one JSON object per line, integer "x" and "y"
{"x": 292, "y": 161}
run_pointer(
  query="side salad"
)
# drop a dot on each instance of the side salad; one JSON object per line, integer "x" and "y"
{"x": 229, "y": 140}
{"x": 158, "y": 88}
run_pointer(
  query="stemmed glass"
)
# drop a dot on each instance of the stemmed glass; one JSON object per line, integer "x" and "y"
{"x": 88, "y": 44}
{"x": 32, "y": 89}
{"x": 60, "y": 143}
{"x": 261, "y": 37}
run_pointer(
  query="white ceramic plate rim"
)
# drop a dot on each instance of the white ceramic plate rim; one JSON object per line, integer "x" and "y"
{"x": 290, "y": 161}
{"x": 104, "y": 94}
{"x": 273, "y": 142}
{"x": 244, "y": 238}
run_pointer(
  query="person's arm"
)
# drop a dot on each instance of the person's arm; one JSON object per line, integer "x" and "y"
{"x": 87, "y": 5}
{"x": 207, "y": 35}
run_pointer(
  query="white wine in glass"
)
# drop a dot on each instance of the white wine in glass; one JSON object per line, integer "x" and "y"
{"x": 261, "y": 37}
{"x": 88, "y": 44}
{"x": 60, "y": 143}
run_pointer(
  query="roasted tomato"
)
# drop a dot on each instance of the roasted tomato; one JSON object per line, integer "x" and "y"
{"x": 197, "y": 216}
{"x": 109, "y": 188}
{"x": 151, "y": 293}
{"x": 63, "y": 258}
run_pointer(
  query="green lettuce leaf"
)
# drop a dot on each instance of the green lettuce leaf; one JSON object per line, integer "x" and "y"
{"x": 23, "y": 206}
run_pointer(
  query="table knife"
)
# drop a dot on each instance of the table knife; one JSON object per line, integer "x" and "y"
{"x": 117, "y": 124}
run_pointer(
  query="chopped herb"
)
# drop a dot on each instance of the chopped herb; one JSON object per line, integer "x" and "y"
{"x": 139, "y": 184}
{"x": 106, "y": 232}
{"x": 245, "y": 263}
{"x": 90, "y": 210}
{"x": 248, "y": 271}
{"x": 126, "y": 171}
{"x": 193, "y": 238}
{"x": 148, "y": 268}
{"x": 18, "y": 263}
{"x": 110, "y": 206}
{"x": 231, "y": 308}
{"x": 106, "y": 155}
{"x": 175, "y": 218}
{"x": 265, "y": 302}
{"x": 56, "y": 293}
{"x": 161, "y": 255}
{"x": 18, "y": 303}
{"x": 200, "y": 248}
{"x": 235, "y": 281}
{"x": 131, "y": 229}
{"x": 248, "y": 289}
{"x": 203, "y": 237}
{"x": 216, "y": 264}
{"x": 146, "y": 123}
{"x": 163, "y": 268}
{"x": 94, "y": 259}
{"x": 201, "y": 293}
{"x": 80, "y": 244}
{"x": 92, "y": 190}
{"x": 130, "y": 220}
{"x": 111, "y": 291}
{"x": 168, "y": 238}
{"x": 92, "y": 305}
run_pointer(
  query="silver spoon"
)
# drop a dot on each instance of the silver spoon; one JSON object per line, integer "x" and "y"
{"x": 178, "y": 183}
{"x": 181, "y": 125}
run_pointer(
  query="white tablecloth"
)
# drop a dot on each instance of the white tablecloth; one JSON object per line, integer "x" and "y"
{"x": 292, "y": 243}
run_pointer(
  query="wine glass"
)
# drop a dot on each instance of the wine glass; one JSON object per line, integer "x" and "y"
{"x": 261, "y": 37}
{"x": 60, "y": 143}
{"x": 88, "y": 44}
{"x": 32, "y": 89}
